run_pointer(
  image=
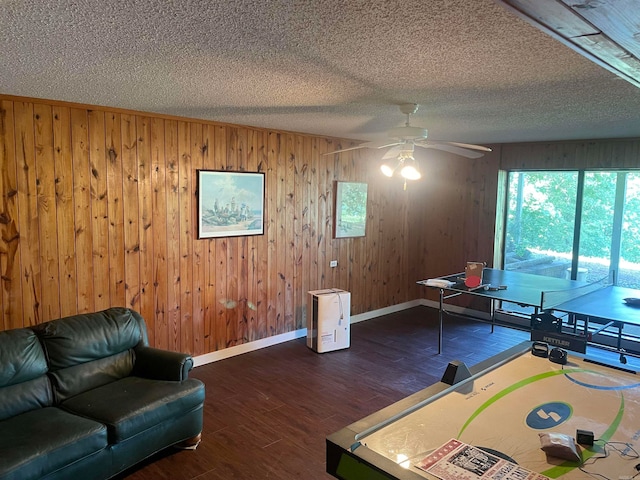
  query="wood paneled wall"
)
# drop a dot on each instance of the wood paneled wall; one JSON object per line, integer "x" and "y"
{"x": 579, "y": 154}
{"x": 99, "y": 209}
{"x": 456, "y": 214}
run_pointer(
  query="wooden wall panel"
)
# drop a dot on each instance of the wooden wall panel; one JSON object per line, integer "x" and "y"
{"x": 321, "y": 194}
{"x": 173, "y": 233}
{"x": 115, "y": 209}
{"x": 131, "y": 207}
{"x": 329, "y": 165}
{"x": 159, "y": 226}
{"x": 186, "y": 205}
{"x": 10, "y": 267}
{"x": 82, "y": 209}
{"x": 209, "y": 253}
{"x": 277, "y": 240}
{"x": 584, "y": 154}
{"x": 46, "y": 210}
{"x": 251, "y": 300}
{"x": 28, "y": 214}
{"x": 99, "y": 209}
{"x": 287, "y": 241}
{"x": 145, "y": 221}
{"x": 304, "y": 258}
{"x": 270, "y": 232}
{"x": 199, "y": 264}
{"x": 262, "y": 302}
{"x": 65, "y": 227}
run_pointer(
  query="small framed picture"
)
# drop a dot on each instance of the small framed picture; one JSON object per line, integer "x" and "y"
{"x": 230, "y": 203}
{"x": 350, "y": 209}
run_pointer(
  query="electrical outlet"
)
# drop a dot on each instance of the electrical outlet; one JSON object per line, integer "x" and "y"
{"x": 333, "y": 263}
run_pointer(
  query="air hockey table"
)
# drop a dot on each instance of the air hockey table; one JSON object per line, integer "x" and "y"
{"x": 500, "y": 406}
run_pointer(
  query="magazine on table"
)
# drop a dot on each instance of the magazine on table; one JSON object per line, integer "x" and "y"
{"x": 456, "y": 460}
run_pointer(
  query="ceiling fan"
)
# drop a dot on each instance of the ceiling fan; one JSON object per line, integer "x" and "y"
{"x": 403, "y": 139}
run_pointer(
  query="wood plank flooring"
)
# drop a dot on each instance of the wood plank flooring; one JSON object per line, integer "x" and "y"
{"x": 267, "y": 412}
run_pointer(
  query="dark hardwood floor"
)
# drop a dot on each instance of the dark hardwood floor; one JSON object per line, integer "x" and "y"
{"x": 267, "y": 412}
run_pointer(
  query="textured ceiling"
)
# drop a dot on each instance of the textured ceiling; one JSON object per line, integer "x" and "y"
{"x": 339, "y": 68}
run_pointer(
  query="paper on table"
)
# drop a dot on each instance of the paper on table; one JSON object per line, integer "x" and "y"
{"x": 439, "y": 282}
{"x": 456, "y": 460}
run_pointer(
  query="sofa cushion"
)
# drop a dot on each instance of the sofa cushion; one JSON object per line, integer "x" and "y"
{"x": 82, "y": 338}
{"x": 42, "y": 441}
{"x": 133, "y": 404}
{"x": 23, "y": 383}
{"x": 72, "y": 381}
{"x": 21, "y": 357}
{"x": 25, "y": 396}
{"x": 89, "y": 350}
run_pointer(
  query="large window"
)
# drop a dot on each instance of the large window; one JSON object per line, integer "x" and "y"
{"x": 574, "y": 224}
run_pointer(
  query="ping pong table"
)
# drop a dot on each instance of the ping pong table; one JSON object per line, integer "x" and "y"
{"x": 598, "y": 302}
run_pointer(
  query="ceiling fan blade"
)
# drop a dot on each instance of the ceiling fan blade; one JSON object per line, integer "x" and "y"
{"x": 451, "y": 149}
{"x": 387, "y": 143}
{"x": 469, "y": 145}
{"x": 378, "y": 144}
{"x": 393, "y": 152}
{"x": 345, "y": 150}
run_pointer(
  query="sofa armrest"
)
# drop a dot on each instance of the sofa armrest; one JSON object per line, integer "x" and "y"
{"x": 158, "y": 364}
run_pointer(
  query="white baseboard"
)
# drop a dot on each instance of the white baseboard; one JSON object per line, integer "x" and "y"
{"x": 384, "y": 311}
{"x": 286, "y": 337}
{"x": 247, "y": 347}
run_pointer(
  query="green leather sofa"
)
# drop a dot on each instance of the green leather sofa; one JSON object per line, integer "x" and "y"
{"x": 85, "y": 397}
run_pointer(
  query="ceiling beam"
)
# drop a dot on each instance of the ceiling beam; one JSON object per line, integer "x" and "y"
{"x": 605, "y": 32}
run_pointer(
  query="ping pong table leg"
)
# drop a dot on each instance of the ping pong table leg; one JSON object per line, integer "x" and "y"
{"x": 620, "y": 325}
{"x": 492, "y": 309}
{"x": 621, "y": 351}
{"x": 440, "y": 314}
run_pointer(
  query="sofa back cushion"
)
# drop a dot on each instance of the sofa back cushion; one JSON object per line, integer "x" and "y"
{"x": 24, "y": 385}
{"x": 90, "y": 350}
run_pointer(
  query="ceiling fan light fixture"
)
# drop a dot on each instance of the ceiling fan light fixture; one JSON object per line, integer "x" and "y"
{"x": 410, "y": 172}
{"x": 386, "y": 170}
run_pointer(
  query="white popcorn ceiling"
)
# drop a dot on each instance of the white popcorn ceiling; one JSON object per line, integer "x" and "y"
{"x": 328, "y": 67}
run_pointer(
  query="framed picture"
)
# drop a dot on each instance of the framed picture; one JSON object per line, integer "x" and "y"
{"x": 350, "y": 209}
{"x": 230, "y": 203}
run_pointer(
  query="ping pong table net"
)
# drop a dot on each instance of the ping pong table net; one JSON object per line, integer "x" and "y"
{"x": 552, "y": 298}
